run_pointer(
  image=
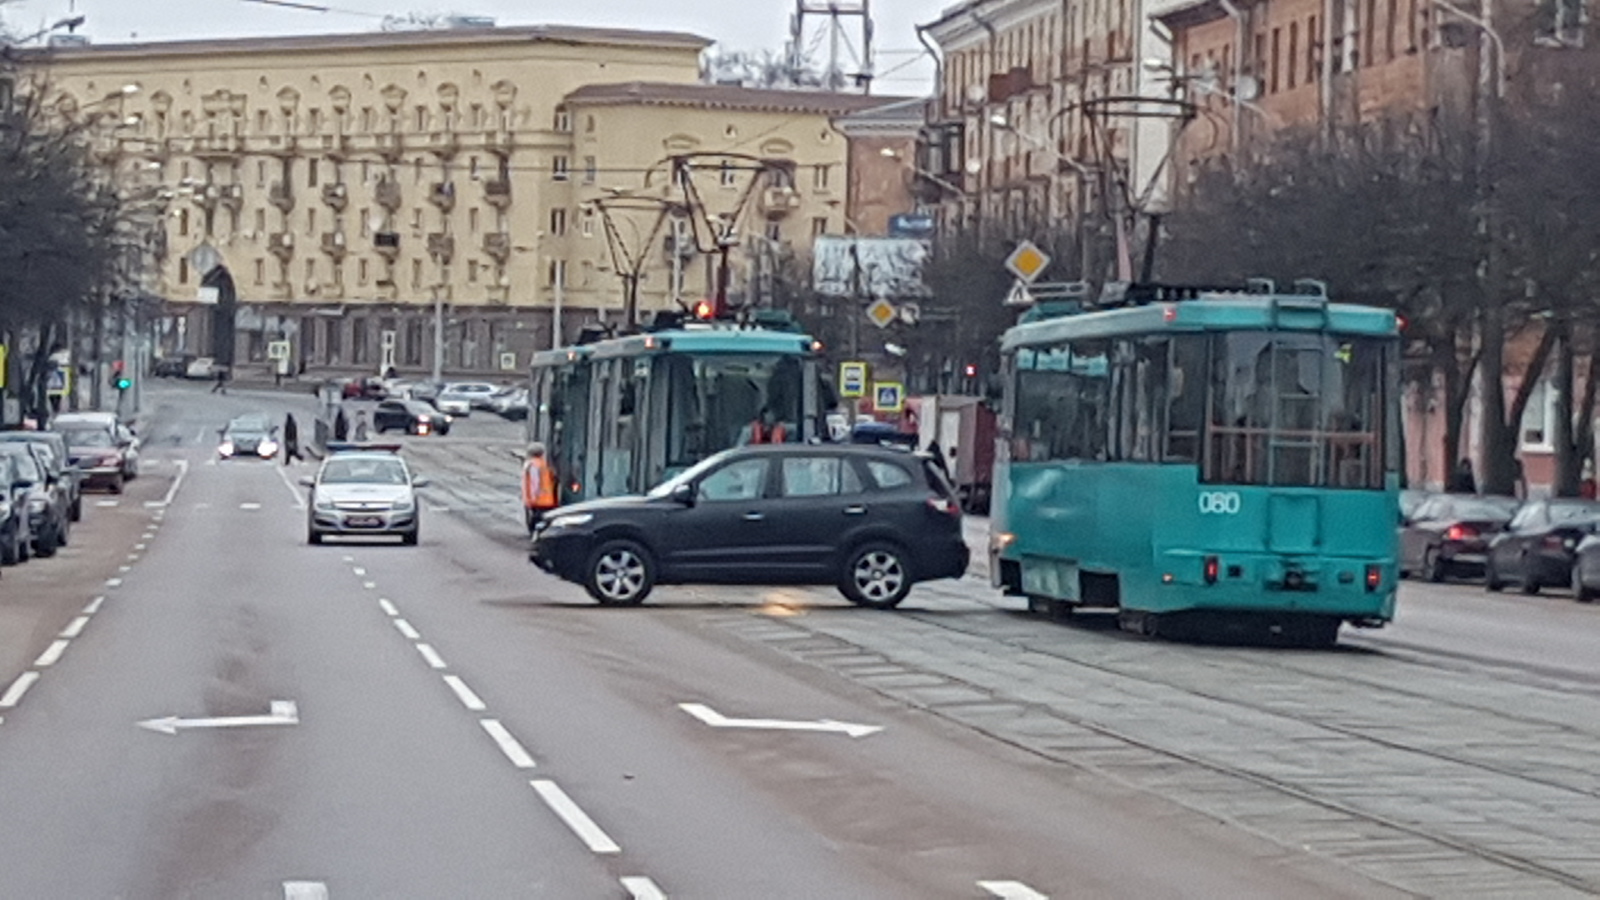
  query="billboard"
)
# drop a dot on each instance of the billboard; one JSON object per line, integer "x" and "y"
{"x": 868, "y": 267}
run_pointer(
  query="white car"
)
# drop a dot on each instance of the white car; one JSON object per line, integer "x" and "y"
{"x": 462, "y": 397}
{"x": 364, "y": 490}
{"x": 204, "y": 367}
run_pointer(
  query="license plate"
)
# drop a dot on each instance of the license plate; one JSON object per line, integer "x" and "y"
{"x": 363, "y": 521}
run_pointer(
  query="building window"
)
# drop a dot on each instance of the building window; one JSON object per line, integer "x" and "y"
{"x": 422, "y": 118}
{"x": 361, "y": 271}
{"x": 588, "y": 124}
{"x": 774, "y": 230}
{"x": 1290, "y": 68}
{"x": 312, "y": 165}
{"x": 416, "y": 219}
{"x": 261, "y": 222}
{"x": 558, "y": 168}
{"x": 261, "y": 173}
{"x": 472, "y": 220}
{"x": 311, "y": 274}
{"x": 366, "y": 118}
{"x": 472, "y": 167}
{"x": 263, "y": 121}
{"x": 558, "y": 221}
{"x": 819, "y": 178}
{"x": 1272, "y": 76}
{"x": 366, "y": 222}
{"x": 726, "y": 175}
{"x": 590, "y": 170}
{"x": 311, "y": 220}
{"x": 472, "y": 271}
{"x": 819, "y": 226}
{"x": 416, "y": 273}
{"x": 261, "y": 271}
{"x": 1313, "y": 51}
{"x": 416, "y": 170}
{"x": 587, "y": 223}
{"x": 563, "y": 121}
{"x": 338, "y": 274}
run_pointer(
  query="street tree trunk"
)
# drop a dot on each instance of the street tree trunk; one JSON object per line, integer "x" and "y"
{"x": 1567, "y": 464}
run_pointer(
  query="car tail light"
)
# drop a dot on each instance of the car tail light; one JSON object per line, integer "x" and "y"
{"x": 944, "y": 505}
{"x": 1459, "y": 533}
{"x": 1374, "y": 577}
{"x": 1559, "y": 541}
{"x": 1213, "y": 567}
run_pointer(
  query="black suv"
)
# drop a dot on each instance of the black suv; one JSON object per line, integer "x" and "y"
{"x": 870, "y": 520}
{"x": 410, "y": 416}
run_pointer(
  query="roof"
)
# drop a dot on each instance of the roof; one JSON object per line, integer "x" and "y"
{"x": 1188, "y": 15}
{"x": 708, "y": 340}
{"x": 1212, "y": 312}
{"x": 908, "y": 114}
{"x": 517, "y": 34}
{"x": 722, "y": 96}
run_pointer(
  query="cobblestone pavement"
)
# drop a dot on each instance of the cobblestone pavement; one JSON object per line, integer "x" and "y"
{"x": 1440, "y": 776}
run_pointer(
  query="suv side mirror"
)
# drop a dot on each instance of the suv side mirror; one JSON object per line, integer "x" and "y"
{"x": 420, "y": 481}
{"x": 307, "y": 481}
{"x": 683, "y": 493}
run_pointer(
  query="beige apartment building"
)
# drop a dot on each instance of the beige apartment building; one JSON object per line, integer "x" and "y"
{"x": 337, "y": 191}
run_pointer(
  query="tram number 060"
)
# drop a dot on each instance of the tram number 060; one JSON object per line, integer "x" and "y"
{"x": 1219, "y": 503}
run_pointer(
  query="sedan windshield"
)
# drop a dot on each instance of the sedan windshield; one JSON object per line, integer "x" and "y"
{"x": 89, "y": 437}
{"x": 364, "y": 471}
{"x": 27, "y": 468}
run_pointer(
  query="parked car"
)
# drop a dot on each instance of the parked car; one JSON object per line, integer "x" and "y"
{"x": 510, "y": 403}
{"x": 426, "y": 391}
{"x": 106, "y": 453}
{"x": 1411, "y": 500}
{"x": 203, "y": 367}
{"x": 870, "y": 520}
{"x": 363, "y": 490}
{"x": 462, "y": 397}
{"x": 250, "y": 436}
{"x": 61, "y": 462}
{"x": 1449, "y": 534}
{"x": 1586, "y": 569}
{"x": 42, "y": 495}
{"x": 1537, "y": 548}
{"x": 176, "y": 366}
{"x": 409, "y": 416}
{"x": 16, "y": 539}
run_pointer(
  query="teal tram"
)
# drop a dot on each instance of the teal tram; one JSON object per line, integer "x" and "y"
{"x": 1196, "y": 457}
{"x": 618, "y": 416}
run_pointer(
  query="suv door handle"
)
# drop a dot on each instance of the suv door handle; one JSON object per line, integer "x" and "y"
{"x": 753, "y": 517}
{"x": 856, "y": 510}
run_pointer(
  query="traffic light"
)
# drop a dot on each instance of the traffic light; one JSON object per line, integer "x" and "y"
{"x": 119, "y": 376}
{"x": 970, "y": 370}
{"x": 704, "y": 310}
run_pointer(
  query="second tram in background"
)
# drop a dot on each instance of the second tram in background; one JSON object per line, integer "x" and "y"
{"x": 1195, "y": 457}
{"x": 618, "y": 416}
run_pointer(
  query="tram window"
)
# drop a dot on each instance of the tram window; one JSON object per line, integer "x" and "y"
{"x": 1061, "y": 403}
{"x": 1186, "y": 398}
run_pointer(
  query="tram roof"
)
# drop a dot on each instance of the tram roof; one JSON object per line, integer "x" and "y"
{"x": 1210, "y": 312}
{"x": 687, "y": 340}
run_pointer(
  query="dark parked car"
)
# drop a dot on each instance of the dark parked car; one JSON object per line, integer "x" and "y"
{"x": 410, "y": 416}
{"x": 60, "y": 463}
{"x": 1586, "y": 569}
{"x": 16, "y": 540}
{"x": 42, "y": 495}
{"x": 872, "y": 521}
{"x": 1537, "y": 549}
{"x": 172, "y": 366}
{"x": 1449, "y": 534}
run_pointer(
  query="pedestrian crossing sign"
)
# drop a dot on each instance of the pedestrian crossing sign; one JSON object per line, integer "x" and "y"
{"x": 888, "y": 396}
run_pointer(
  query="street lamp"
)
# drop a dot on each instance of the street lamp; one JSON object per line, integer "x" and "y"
{"x": 891, "y": 153}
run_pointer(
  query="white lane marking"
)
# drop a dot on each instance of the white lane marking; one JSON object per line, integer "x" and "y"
{"x": 108, "y": 504}
{"x": 141, "y": 547}
{"x": 305, "y": 890}
{"x": 294, "y": 489}
{"x": 432, "y": 656}
{"x": 717, "y": 720}
{"x": 183, "y": 470}
{"x": 94, "y": 606}
{"x": 75, "y": 627}
{"x": 464, "y": 694}
{"x": 134, "y": 557}
{"x": 201, "y": 437}
{"x": 283, "y": 712}
{"x": 250, "y": 505}
{"x": 52, "y": 654}
{"x": 113, "y": 582}
{"x": 576, "y": 819}
{"x": 508, "y": 744}
{"x": 388, "y": 608}
{"x": 439, "y": 509}
{"x": 124, "y": 569}
{"x": 642, "y": 888}
{"x": 13, "y": 694}
{"x": 1012, "y": 890}
{"x": 406, "y": 630}
{"x": 369, "y": 585}
{"x": 359, "y": 571}
{"x": 148, "y": 535}
{"x": 348, "y": 558}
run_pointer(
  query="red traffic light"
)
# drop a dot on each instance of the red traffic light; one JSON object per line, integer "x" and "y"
{"x": 971, "y": 370}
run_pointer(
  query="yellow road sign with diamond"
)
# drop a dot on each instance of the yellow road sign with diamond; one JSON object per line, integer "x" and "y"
{"x": 1027, "y": 262}
{"x": 881, "y": 313}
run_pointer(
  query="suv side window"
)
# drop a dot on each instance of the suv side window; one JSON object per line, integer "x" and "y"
{"x": 811, "y": 476}
{"x": 745, "y": 479}
{"x": 888, "y": 475}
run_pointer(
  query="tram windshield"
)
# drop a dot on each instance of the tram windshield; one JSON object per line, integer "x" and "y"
{"x": 716, "y": 401}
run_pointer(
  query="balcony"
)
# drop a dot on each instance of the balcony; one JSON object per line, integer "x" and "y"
{"x": 389, "y": 144}
{"x": 333, "y": 244}
{"x": 386, "y": 243}
{"x": 442, "y": 247}
{"x": 281, "y": 244}
{"x": 779, "y": 201}
{"x": 444, "y": 143}
{"x": 336, "y": 196}
{"x": 281, "y": 196}
{"x": 231, "y": 196}
{"x": 387, "y": 194}
{"x": 218, "y": 146}
{"x": 499, "y": 140}
{"x": 497, "y": 247}
{"x": 443, "y": 195}
{"x": 497, "y": 192}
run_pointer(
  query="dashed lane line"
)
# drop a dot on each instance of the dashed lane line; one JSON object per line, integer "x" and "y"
{"x": 52, "y": 654}
{"x": 359, "y": 572}
{"x": 508, "y": 743}
{"x": 305, "y": 890}
{"x": 468, "y": 699}
{"x": 113, "y": 582}
{"x": 1011, "y": 890}
{"x": 369, "y": 585}
{"x": 75, "y": 627}
{"x": 406, "y": 630}
{"x": 94, "y": 606}
{"x": 388, "y": 608}
{"x": 13, "y": 694}
{"x": 250, "y": 504}
{"x": 432, "y": 656}
{"x": 595, "y": 839}
{"x": 642, "y": 888}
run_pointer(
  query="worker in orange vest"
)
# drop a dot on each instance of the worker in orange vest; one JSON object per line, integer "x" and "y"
{"x": 764, "y": 430}
{"x": 538, "y": 486}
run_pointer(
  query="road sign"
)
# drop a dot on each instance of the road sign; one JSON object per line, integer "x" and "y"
{"x": 277, "y": 349}
{"x": 508, "y": 362}
{"x": 2, "y": 365}
{"x": 1027, "y": 262}
{"x": 208, "y": 295}
{"x": 853, "y": 379}
{"x": 888, "y": 396}
{"x": 58, "y": 382}
{"x": 881, "y": 313}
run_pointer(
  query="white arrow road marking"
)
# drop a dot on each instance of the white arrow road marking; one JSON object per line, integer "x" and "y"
{"x": 642, "y": 888}
{"x": 717, "y": 720}
{"x": 509, "y": 745}
{"x": 305, "y": 890}
{"x": 52, "y": 654}
{"x": 13, "y": 694}
{"x": 576, "y": 819}
{"x": 464, "y": 694}
{"x": 432, "y": 656}
{"x": 284, "y": 712}
{"x": 75, "y": 627}
{"x": 1012, "y": 890}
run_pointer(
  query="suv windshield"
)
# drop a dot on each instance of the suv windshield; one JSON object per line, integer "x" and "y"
{"x": 364, "y": 471}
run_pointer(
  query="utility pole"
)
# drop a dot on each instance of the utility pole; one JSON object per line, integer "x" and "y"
{"x": 557, "y": 340}
{"x": 438, "y": 334}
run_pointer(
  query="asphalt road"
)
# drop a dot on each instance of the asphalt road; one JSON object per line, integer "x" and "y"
{"x": 465, "y": 726}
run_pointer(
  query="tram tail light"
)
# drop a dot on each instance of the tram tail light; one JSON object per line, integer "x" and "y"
{"x": 1212, "y": 567}
{"x": 1374, "y": 577}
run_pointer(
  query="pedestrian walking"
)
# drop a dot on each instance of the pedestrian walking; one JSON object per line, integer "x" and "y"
{"x": 221, "y": 384}
{"x": 341, "y": 426}
{"x": 538, "y": 486}
{"x": 291, "y": 440}
{"x": 361, "y": 432}
{"x": 1461, "y": 480}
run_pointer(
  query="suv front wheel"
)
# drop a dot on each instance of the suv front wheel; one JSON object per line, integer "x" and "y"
{"x": 877, "y": 576}
{"x": 619, "y": 573}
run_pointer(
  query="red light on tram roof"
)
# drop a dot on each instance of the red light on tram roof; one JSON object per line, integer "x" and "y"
{"x": 704, "y": 309}
{"x": 1169, "y": 313}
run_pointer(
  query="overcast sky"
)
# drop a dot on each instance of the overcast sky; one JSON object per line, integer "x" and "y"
{"x": 736, "y": 24}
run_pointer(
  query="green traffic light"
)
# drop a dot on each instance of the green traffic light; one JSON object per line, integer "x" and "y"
{"x": 124, "y": 383}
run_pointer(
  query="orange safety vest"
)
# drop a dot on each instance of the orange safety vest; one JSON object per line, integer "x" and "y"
{"x": 761, "y": 434}
{"x": 538, "y": 485}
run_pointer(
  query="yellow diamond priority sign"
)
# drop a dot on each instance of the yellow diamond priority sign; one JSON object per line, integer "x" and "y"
{"x": 881, "y": 313}
{"x": 1027, "y": 262}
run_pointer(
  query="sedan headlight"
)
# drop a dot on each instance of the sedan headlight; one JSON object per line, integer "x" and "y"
{"x": 267, "y": 449}
{"x": 226, "y": 448}
{"x": 404, "y": 503}
{"x": 324, "y": 505}
{"x": 572, "y": 520}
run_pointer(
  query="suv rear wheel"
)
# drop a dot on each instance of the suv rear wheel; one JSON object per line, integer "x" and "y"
{"x": 876, "y": 575}
{"x": 619, "y": 572}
